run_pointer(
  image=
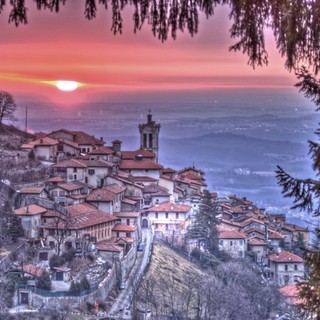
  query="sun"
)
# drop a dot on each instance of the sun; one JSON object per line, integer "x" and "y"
{"x": 65, "y": 85}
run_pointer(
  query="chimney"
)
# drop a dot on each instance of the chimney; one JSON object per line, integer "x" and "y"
{"x": 101, "y": 138}
{"x": 116, "y": 145}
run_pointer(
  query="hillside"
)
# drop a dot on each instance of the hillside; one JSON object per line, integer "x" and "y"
{"x": 175, "y": 287}
{"x": 169, "y": 282}
{"x": 11, "y": 137}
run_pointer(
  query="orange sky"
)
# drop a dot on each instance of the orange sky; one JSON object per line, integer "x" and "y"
{"x": 65, "y": 46}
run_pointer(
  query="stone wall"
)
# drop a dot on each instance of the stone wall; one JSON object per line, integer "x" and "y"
{"x": 72, "y": 302}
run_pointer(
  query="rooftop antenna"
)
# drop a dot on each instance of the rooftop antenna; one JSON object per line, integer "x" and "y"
{"x": 26, "y": 128}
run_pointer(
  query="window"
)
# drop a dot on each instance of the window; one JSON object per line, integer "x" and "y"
{"x": 128, "y": 222}
{"x": 74, "y": 169}
{"x": 128, "y": 234}
{"x": 221, "y": 242}
{"x": 177, "y": 215}
{"x": 74, "y": 177}
{"x": 286, "y": 267}
{"x": 295, "y": 267}
{"x": 167, "y": 227}
{"x": 167, "y": 215}
{"x": 157, "y": 215}
{"x": 54, "y": 193}
{"x": 231, "y": 243}
{"x": 91, "y": 171}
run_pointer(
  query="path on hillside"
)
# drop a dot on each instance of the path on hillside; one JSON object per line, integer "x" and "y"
{"x": 121, "y": 306}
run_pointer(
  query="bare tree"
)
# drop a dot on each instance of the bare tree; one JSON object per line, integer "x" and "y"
{"x": 7, "y": 106}
{"x": 61, "y": 230}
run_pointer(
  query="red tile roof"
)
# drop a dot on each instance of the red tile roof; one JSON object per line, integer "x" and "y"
{"x": 69, "y": 143}
{"x": 257, "y": 242}
{"x": 291, "y": 293}
{"x": 32, "y": 190}
{"x": 129, "y": 201}
{"x": 128, "y": 214}
{"x": 108, "y": 246}
{"x": 69, "y": 186}
{"x": 56, "y": 179}
{"x": 273, "y": 234}
{"x": 230, "y": 234}
{"x": 285, "y": 257}
{"x": 170, "y": 207}
{"x": 79, "y": 209}
{"x": 169, "y": 170}
{"x": 83, "y": 163}
{"x": 93, "y": 218}
{"x": 294, "y": 227}
{"x": 83, "y": 138}
{"x": 33, "y": 270}
{"x": 167, "y": 177}
{"x": 103, "y": 151}
{"x": 105, "y": 194}
{"x": 46, "y": 141}
{"x": 131, "y": 155}
{"x": 144, "y": 179}
{"x": 123, "y": 228}
{"x": 72, "y": 163}
{"x": 115, "y": 188}
{"x": 144, "y": 164}
{"x": 191, "y": 169}
{"x": 31, "y": 210}
{"x": 85, "y": 220}
{"x": 192, "y": 176}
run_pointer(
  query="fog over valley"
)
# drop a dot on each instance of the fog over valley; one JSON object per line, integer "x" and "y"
{"x": 237, "y": 137}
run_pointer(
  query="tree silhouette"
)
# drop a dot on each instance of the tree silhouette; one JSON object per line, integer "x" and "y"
{"x": 7, "y": 106}
{"x": 306, "y": 195}
{"x": 295, "y": 23}
{"x": 204, "y": 228}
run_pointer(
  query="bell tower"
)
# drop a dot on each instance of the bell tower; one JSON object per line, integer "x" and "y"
{"x": 149, "y": 135}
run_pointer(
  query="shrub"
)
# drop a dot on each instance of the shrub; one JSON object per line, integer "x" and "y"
{"x": 85, "y": 283}
{"x": 44, "y": 281}
{"x": 90, "y": 257}
{"x": 69, "y": 255}
{"x": 56, "y": 261}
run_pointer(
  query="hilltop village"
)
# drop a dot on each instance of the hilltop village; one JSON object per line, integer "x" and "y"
{"x": 108, "y": 204}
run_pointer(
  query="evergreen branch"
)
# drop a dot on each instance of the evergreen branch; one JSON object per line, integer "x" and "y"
{"x": 314, "y": 151}
{"x": 309, "y": 85}
{"x": 303, "y": 191}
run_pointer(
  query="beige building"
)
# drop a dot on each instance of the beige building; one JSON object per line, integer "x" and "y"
{"x": 286, "y": 268}
{"x": 233, "y": 242}
{"x": 30, "y": 217}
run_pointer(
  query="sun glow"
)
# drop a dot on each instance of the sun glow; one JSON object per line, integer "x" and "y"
{"x": 64, "y": 85}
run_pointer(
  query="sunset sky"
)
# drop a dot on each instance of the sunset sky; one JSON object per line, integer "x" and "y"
{"x": 66, "y": 46}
